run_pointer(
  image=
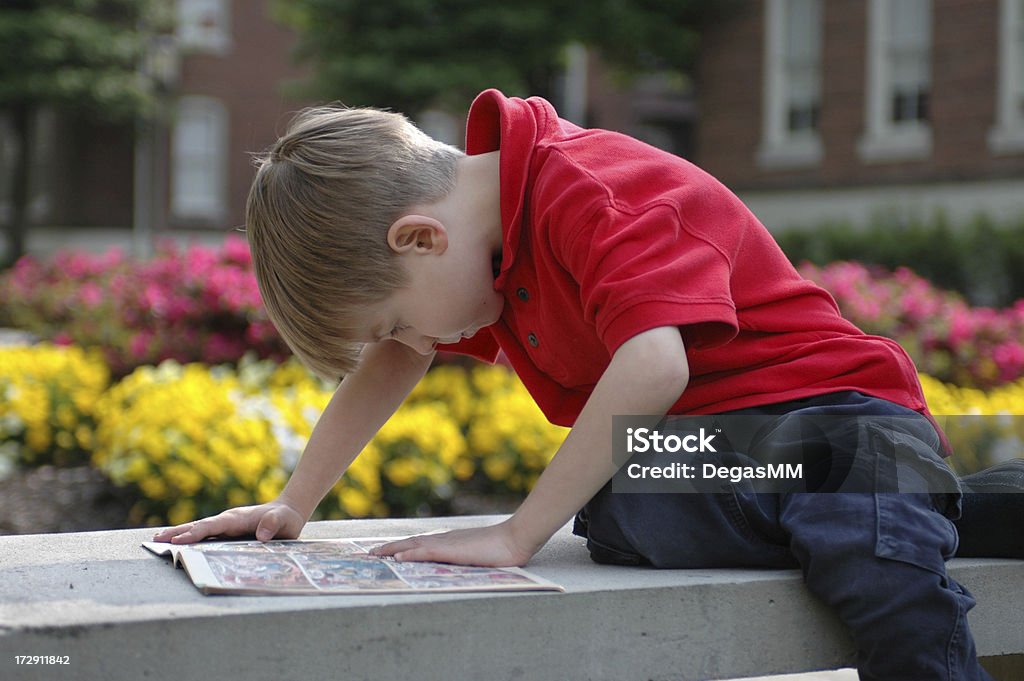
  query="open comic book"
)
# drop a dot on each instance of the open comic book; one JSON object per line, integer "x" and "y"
{"x": 330, "y": 566}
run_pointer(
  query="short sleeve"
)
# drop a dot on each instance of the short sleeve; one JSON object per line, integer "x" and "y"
{"x": 638, "y": 271}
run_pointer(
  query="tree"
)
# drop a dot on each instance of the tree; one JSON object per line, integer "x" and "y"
{"x": 413, "y": 54}
{"x": 80, "y": 55}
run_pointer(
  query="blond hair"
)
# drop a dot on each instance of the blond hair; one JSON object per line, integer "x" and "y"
{"x": 317, "y": 217}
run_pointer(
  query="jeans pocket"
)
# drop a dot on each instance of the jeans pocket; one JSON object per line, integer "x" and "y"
{"x": 907, "y": 461}
{"x": 911, "y": 530}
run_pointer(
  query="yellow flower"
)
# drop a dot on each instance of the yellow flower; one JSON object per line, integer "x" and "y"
{"x": 978, "y": 425}
{"x": 153, "y": 487}
{"x": 355, "y": 503}
{"x": 464, "y": 469}
{"x": 403, "y": 472}
{"x": 185, "y": 479}
{"x": 47, "y": 399}
{"x": 182, "y": 511}
{"x": 269, "y": 488}
{"x": 497, "y": 468}
{"x": 238, "y": 497}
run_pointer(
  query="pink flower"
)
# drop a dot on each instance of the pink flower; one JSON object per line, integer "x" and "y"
{"x": 155, "y": 298}
{"x": 222, "y": 348}
{"x": 961, "y": 327}
{"x": 236, "y": 250}
{"x": 1009, "y": 357}
{"x": 91, "y": 294}
{"x": 140, "y": 344}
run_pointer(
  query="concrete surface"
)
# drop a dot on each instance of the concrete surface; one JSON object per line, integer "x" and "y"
{"x": 838, "y": 675}
{"x": 118, "y": 612}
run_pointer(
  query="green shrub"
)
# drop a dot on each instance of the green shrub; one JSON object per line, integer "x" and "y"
{"x": 981, "y": 260}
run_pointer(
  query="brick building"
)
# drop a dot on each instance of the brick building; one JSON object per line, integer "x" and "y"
{"x": 229, "y": 102}
{"x": 811, "y": 110}
{"x": 846, "y": 109}
{"x": 226, "y": 69}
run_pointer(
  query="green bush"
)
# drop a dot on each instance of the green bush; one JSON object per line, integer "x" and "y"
{"x": 981, "y": 260}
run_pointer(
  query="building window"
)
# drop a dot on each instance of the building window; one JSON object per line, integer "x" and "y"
{"x": 898, "y": 81}
{"x": 792, "y": 84}
{"x": 8, "y": 145}
{"x": 204, "y": 26}
{"x": 1007, "y": 137}
{"x": 199, "y": 143}
{"x": 42, "y": 152}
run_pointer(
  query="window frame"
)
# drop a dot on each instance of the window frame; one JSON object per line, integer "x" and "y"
{"x": 193, "y": 38}
{"x": 886, "y": 140}
{"x": 212, "y": 204}
{"x": 781, "y": 147}
{"x": 1007, "y": 134}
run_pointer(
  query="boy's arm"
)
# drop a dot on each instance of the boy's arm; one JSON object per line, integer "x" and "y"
{"x": 360, "y": 406}
{"x": 646, "y": 375}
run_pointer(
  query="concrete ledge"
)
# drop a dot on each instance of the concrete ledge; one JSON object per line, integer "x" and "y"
{"x": 120, "y": 613}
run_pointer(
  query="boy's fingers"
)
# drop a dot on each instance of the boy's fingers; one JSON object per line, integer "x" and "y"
{"x": 165, "y": 534}
{"x": 191, "y": 534}
{"x": 169, "y": 533}
{"x": 391, "y": 548}
{"x": 422, "y": 553}
{"x": 200, "y": 529}
{"x": 415, "y": 548}
{"x": 231, "y": 523}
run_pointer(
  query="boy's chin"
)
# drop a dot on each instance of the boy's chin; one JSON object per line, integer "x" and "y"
{"x": 469, "y": 333}
{"x": 455, "y": 339}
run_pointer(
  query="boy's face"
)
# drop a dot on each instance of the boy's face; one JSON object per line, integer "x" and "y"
{"x": 447, "y": 299}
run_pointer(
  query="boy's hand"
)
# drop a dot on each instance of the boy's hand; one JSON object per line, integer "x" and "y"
{"x": 266, "y": 521}
{"x": 493, "y": 546}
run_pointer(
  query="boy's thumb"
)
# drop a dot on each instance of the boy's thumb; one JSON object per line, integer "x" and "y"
{"x": 268, "y": 527}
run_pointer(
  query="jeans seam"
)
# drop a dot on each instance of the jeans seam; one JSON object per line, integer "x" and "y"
{"x": 736, "y": 517}
{"x": 952, "y": 660}
{"x": 742, "y": 525}
{"x": 626, "y": 557}
{"x": 630, "y": 555}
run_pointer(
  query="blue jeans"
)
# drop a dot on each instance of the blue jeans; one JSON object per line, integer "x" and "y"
{"x": 877, "y": 558}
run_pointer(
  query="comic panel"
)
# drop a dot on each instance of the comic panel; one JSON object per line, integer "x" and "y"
{"x": 232, "y": 546}
{"x": 255, "y": 570}
{"x": 441, "y": 576}
{"x": 342, "y": 547}
{"x": 339, "y": 572}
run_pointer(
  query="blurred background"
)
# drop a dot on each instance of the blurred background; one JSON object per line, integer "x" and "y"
{"x": 881, "y": 141}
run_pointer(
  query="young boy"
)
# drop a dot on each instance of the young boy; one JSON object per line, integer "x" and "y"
{"x": 618, "y": 279}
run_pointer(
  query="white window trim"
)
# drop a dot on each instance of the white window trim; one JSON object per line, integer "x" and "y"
{"x": 885, "y": 141}
{"x": 215, "y": 40}
{"x": 780, "y": 148}
{"x": 212, "y": 205}
{"x": 1007, "y": 136}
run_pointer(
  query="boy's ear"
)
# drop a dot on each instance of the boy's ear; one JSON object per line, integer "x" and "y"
{"x": 417, "y": 234}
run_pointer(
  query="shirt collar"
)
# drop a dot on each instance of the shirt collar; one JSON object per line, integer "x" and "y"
{"x": 514, "y": 126}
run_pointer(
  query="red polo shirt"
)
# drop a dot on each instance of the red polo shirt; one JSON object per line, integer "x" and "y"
{"x": 607, "y": 237}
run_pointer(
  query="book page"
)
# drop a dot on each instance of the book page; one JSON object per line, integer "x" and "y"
{"x": 331, "y": 566}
